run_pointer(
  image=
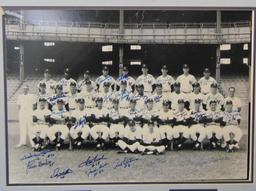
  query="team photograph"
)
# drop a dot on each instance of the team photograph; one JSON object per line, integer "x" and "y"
{"x": 127, "y": 96}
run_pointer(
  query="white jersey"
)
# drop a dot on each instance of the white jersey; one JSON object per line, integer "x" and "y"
{"x": 166, "y": 82}
{"x": 158, "y": 100}
{"x": 192, "y": 97}
{"x": 151, "y": 137}
{"x": 148, "y": 114}
{"x": 71, "y": 100}
{"x": 80, "y": 117}
{"x": 130, "y": 81}
{"x": 131, "y": 114}
{"x": 60, "y": 115}
{"x": 186, "y": 83}
{"x": 236, "y": 102}
{"x": 205, "y": 84}
{"x": 231, "y": 118}
{"x": 26, "y": 102}
{"x": 114, "y": 114}
{"x": 124, "y": 98}
{"x": 147, "y": 81}
{"x": 197, "y": 115}
{"x": 215, "y": 97}
{"x": 81, "y": 85}
{"x": 214, "y": 115}
{"x": 53, "y": 99}
{"x": 99, "y": 112}
{"x": 165, "y": 115}
{"x": 40, "y": 114}
{"x": 140, "y": 100}
{"x": 174, "y": 97}
{"x": 181, "y": 115}
{"x": 66, "y": 84}
{"x": 132, "y": 135}
{"x": 89, "y": 98}
{"x": 107, "y": 98}
{"x": 50, "y": 86}
{"x": 100, "y": 81}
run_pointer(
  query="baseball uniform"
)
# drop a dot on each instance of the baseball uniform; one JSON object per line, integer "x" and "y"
{"x": 186, "y": 82}
{"x": 205, "y": 84}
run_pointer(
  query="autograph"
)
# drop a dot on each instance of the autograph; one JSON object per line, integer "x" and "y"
{"x": 58, "y": 173}
{"x": 47, "y": 153}
{"x": 126, "y": 162}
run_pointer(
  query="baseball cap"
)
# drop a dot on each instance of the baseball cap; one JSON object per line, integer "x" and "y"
{"x": 115, "y": 100}
{"x": 105, "y": 68}
{"x": 206, "y": 70}
{"x": 131, "y": 123}
{"x": 177, "y": 84}
{"x": 185, "y": 66}
{"x": 73, "y": 84}
{"x": 125, "y": 68}
{"x": 213, "y": 101}
{"x": 229, "y": 102}
{"x": 99, "y": 99}
{"x": 42, "y": 99}
{"x": 80, "y": 100}
{"x": 149, "y": 100}
{"x": 140, "y": 85}
{"x": 166, "y": 102}
{"x": 164, "y": 67}
{"x": 42, "y": 84}
{"x": 106, "y": 84}
{"x": 88, "y": 82}
{"x": 133, "y": 101}
{"x": 214, "y": 85}
{"x": 87, "y": 71}
{"x": 159, "y": 85}
{"x": 144, "y": 66}
{"x": 124, "y": 82}
{"x": 196, "y": 84}
{"x": 46, "y": 70}
{"x": 197, "y": 101}
{"x": 181, "y": 101}
{"x": 151, "y": 122}
{"x": 60, "y": 100}
{"x": 59, "y": 86}
{"x": 66, "y": 71}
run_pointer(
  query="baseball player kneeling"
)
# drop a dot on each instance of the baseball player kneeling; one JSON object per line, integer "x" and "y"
{"x": 59, "y": 131}
{"x": 131, "y": 138}
{"x": 40, "y": 127}
{"x": 232, "y": 132}
{"x": 151, "y": 140}
{"x": 80, "y": 130}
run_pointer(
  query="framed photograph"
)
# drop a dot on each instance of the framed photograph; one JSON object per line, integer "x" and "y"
{"x": 119, "y": 97}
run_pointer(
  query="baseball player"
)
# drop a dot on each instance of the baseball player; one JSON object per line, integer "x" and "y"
{"x": 105, "y": 77}
{"x": 80, "y": 129}
{"x": 89, "y": 94}
{"x": 26, "y": 102}
{"x": 196, "y": 123}
{"x": 59, "y": 131}
{"x": 59, "y": 95}
{"x": 123, "y": 95}
{"x": 140, "y": 97}
{"x": 150, "y": 113}
{"x": 146, "y": 79}
{"x": 65, "y": 82}
{"x": 158, "y": 97}
{"x": 40, "y": 126}
{"x": 72, "y": 96}
{"x": 235, "y": 100}
{"x": 165, "y": 120}
{"x": 125, "y": 77}
{"x": 50, "y": 83}
{"x": 180, "y": 122}
{"x": 206, "y": 81}
{"x": 166, "y": 80}
{"x": 81, "y": 86}
{"x": 232, "y": 132}
{"x": 132, "y": 113}
{"x": 186, "y": 80}
{"x": 131, "y": 138}
{"x": 214, "y": 95}
{"x": 176, "y": 95}
{"x": 196, "y": 95}
{"x": 42, "y": 94}
{"x": 100, "y": 118}
{"x": 213, "y": 119}
{"x": 107, "y": 95}
{"x": 151, "y": 140}
{"x": 117, "y": 122}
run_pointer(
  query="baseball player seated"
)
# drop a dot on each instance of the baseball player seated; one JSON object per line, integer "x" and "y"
{"x": 140, "y": 96}
{"x": 59, "y": 95}
{"x": 176, "y": 95}
{"x": 80, "y": 129}
{"x": 166, "y": 80}
{"x": 125, "y": 77}
{"x": 232, "y": 132}
{"x": 158, "y": 96}
{"x": 235, "y": 100}
{"x": 123, "y": 95}
{"x": 196, "y": 122}
{"x": 40, "y": 126}
{"x": 180, "y": 122}
{"x": 72, "y": 96}
{"x": 65, "y": 82}
{"x": 149, "y": 113}
{"x": 117, "y": 122}
{"x": 151, "y": 140}
{"x": 89, "y": 95}
{"x": 146, "y": 79}
{"x": 213, "y": 120}
{"x": 59, "y": 131}
{"x": 214, "y": 95}
{"x": 132, "y": 113}
{"x": 196, "y": 95}
{"x": 186, "y": 80}
{"x": 206, "y": 81}
{"x": 130, "y": 140}
{"x": 107, "y": 95}
{"x": 105, "y": 77}
{"x": 165, "y": 121}
{"x": 100, "y": 121}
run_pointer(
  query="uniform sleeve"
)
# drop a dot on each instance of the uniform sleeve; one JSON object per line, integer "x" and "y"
{"x": 193, "y": 79}
{"x": 19, "y": 100}
{"x": 239, "y": 104}
{"x": 178, "y": 79}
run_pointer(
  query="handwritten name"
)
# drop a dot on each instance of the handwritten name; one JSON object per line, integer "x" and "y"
{"x": 126, "y": 162}
{"x": 60, "y": 173}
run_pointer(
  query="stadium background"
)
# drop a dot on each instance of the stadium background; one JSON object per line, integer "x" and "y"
{"x": 79, "y": 56}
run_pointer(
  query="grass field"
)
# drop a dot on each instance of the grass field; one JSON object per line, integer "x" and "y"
{"x": 173, "y": 166}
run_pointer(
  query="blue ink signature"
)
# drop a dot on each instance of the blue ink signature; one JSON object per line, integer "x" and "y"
{"x": 94, "y": 165}
{"x": 58, "y": 173}
{"x": 126, "y": 162}
{"x": 38, "y": 163}
{"x": 42, "y": 153}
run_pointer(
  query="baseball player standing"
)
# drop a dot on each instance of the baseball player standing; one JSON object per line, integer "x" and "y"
{"x": 25, "y": 103}
{"x": 65, "y": 82}
{"x": 206, "y": 81}
{"x": 81, "y": 84}
{"x": 214, "y": 95}
{"x": 105, "y": 77}
{"x": 50, "y": 83}
{"x": 125, "y": 77}
{"x": 186, "y": 80}
{"x": 166, "y": 80}
{"x": 236, "y": 102}
{"x": 195, "y": 95}
{"x": 146, "y": 79}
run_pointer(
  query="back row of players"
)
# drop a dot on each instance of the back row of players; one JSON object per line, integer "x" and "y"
{"x": 157, "y": 111}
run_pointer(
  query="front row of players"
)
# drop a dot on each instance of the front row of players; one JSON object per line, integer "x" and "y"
{"x": 134, "y": 131}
